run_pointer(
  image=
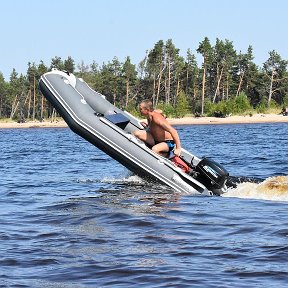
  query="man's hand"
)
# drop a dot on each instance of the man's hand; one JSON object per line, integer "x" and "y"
{"x": 144, "y": 124}
{"x": 177, "y": 151}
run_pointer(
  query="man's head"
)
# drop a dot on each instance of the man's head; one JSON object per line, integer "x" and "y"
{"x": 145, "y": 107}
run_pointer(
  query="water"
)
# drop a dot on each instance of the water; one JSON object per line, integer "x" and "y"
{"x": 73, "y": 217}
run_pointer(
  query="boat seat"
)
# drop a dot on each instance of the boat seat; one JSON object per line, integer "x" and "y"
{"x": 118, "y": 119}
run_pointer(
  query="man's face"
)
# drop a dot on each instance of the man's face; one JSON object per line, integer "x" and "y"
{"x": 143, "y": 110}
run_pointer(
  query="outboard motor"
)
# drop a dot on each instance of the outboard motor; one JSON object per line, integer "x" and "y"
{"x": 212, "y": 175}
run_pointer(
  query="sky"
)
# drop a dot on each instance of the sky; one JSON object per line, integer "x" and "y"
{"x": 99, "y": 30}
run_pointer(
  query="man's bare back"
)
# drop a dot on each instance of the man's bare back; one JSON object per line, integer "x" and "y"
{"x": 156, "y": 121}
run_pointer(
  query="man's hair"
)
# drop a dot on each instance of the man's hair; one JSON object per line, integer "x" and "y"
{"x": 147, "y": 104}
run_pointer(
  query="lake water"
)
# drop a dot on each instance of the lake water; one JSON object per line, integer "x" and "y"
{"x": 73, "y": 217}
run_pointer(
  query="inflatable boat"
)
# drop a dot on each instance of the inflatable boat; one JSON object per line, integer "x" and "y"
{"x": 110, "y": 129}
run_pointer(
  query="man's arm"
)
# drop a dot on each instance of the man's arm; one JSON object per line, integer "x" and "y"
{"x": 175, "y": 137}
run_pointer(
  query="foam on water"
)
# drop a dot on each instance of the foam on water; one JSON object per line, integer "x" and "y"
{"x": 131, "y": 179}
{"x": 272, "y": 188}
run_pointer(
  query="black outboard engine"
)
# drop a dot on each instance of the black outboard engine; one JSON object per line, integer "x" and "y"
{"x": 212, "y": 175}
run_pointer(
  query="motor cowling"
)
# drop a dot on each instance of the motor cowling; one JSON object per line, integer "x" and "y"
{"x": 211, "y": 174}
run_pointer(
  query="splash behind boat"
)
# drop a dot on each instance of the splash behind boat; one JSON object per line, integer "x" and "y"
{"x": 109, "y": 128}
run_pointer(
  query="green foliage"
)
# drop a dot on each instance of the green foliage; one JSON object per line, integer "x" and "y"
{"x": 182, "y": 106}
{"x": 273, "y": 105}
{"x": 273, "y": 108}
{"x": 167, "y": 109}
{"x": 213, "y": 109}
{"x": 242, "y": 103}
{"x": 69, "y": 65}
{"x": 236, "y": 105}
{"x": 262, "y": 107}
{"x": 285, "y": 101}
{"x": 133, "y": 109}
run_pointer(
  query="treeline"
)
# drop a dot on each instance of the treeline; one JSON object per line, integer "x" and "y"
{"x": 225, "y": 82}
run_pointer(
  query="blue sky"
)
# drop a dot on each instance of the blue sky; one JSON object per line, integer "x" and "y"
{"x": 34, "y": 30}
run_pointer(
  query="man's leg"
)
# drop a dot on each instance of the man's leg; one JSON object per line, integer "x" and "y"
{"x": 145, "y": 136}
{"x": 161, "y": 148}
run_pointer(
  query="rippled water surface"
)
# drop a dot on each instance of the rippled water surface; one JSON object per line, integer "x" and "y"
{"x": 73, "y": 217}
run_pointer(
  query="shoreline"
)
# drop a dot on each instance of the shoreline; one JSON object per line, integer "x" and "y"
{"x": 257, "y": 118}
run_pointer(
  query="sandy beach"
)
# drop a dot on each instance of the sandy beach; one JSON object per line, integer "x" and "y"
{"x": 257, "y": 118}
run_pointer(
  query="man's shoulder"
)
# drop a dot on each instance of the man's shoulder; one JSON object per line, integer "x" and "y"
{"x": 156, "y": 115}
{"x": 158, "y": 118}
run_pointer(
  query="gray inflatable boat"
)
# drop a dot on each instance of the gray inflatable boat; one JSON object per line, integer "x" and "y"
{"x": 111, "y": 129}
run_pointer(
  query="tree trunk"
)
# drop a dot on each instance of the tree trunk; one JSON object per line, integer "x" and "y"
{"x": 227, "y": 88}
{"x": 187, "y": 82}
{"x": 203, "y": 88}
{"x": 154, "y": 91}
{"x": 25, "y": 102}
{"x": 177, "y": 91}
{"x": 42, "y": 108}
{"x": 29, "y": 104}
{"x": 14, "y": 107}
{"x": 114, "y": 98}
{"x": 240, "y": 83}
{"x": 218, "y": 85}
{"x": 168, "y": 82}
{"x": 127, "y": 93}
{"x": 34, "y": 100}
{"x": 53, "y": 116}
{"x": 166, "y": 88}
{"x": 271, "y": 86}
{"x": 159, "y": 83}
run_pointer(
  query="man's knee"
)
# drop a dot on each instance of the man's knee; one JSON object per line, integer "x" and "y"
{"x": 157, "y": 149}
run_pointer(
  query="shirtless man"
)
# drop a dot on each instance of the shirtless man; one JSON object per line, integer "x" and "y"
{"x": 160, "y": 135}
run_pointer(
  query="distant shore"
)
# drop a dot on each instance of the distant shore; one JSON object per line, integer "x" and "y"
{"x": 257, "y": 118}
